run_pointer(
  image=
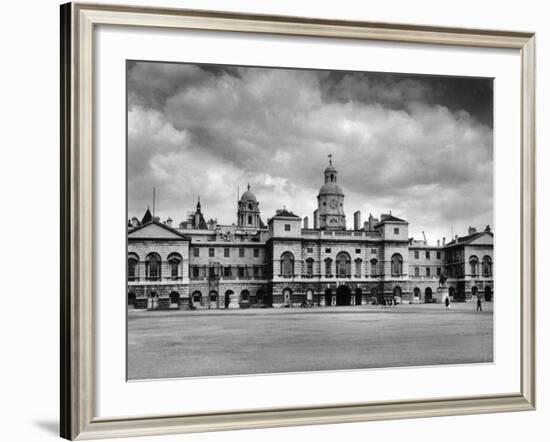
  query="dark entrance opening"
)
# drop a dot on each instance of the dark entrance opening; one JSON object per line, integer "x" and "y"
{"x": 328, "y": 297}
{"x": 488, "y": 293}
{"x": 358, "y": 296}
{"x": 428, "y": 295}
{"x": 343, "y": 295}
{"x": 131, "y": 298}
{"x": 227, "y": 298}
{"x": 174, "y": 298}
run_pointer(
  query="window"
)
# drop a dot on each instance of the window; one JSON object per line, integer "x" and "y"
{"x": 373, "y": 251}
{"x": 427, "y": 255}
{"x": 241, "y": 252}
{"x": 257, "y": 272}
{"x": 256, "y": 253}
{"x": 196, "y": 252}
{"x": 416, "y": 271}
{"x": 245, "y": 295}
{"x": 249, "y": 219}
{"x": 396, "y": 230}
{"x": 211, "y": 252}
{"x": 213, "y": 296}
{"x": 327, "y": 250}
{"x": 309, "y": 267}
{"x": 358, "y": 263}
{"x": 428, "y": 271}
{"x": 373, "y": 263}
{"x": 227, "y": 272}
{"x": 439, "y": 271}
{"x": 194, "y": 271}
{"x": 132, "y": 267}
{"x": 241, "y": 272}
{"x": 487, "y": 266}
{"x": 174, "y": 265}
{"x": 438, "y": 255}
{"x": 287, "y": 227}
{"x": 152, "y": 267}
{"x": 358, "y": 251}
{"x": 287, "y": 264}
{"x": 196, "y": 297}
{"x": 397, "y": 265}
{"x": 474, "y": 265}
{"x": 226, "y": 252}
{"x": 343, "y": 265}
{"x": 328, "y": 267}
{"x": 416, "y": 254}
{"x": 309, "y": 250}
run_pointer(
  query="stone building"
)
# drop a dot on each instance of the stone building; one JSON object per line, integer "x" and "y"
{"x": 288, "y": 263}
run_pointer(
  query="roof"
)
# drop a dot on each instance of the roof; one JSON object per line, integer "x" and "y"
{"x": 285, "y": 213}
{"x": 147, "y": 217}
{"x": 330, "y": 189}
{"x": 248, "y": 195}
{"x": 468, "y": 238}
{"x": 391, "y": 219}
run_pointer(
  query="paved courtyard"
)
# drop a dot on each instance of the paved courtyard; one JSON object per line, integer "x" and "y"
{"x": 218, "y": 342}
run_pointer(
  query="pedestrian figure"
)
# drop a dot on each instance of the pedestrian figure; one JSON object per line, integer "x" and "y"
{"x": 447, "y": 302}
{"x": 479, "y": 309}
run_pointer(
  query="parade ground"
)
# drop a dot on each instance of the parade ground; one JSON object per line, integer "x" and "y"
{"x": 168, "y": 344}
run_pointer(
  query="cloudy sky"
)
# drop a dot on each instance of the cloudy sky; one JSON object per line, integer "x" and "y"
{"x": 420, "y": 146}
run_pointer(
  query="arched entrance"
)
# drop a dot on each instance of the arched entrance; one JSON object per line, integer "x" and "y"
{"x": 196, "y": 299}
{"x": 227, "y": 298}
{"x": 287, "y": 297}
{"x": 416, "y": 294}
{"x": 174, "y": 298}
{"x": 428, "y": 295}
{"x": 213, "y": 299}
{"x": 475, "y": 292}
{"x": 488, "y": 293}
{"x": 397, "y": 292}
{"x": 343, "y": 295}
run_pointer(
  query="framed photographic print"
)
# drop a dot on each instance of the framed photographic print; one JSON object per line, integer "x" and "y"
{"x": 272, "y": 221}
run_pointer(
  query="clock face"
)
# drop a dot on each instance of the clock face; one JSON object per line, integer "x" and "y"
{"x": 333, "y": 204}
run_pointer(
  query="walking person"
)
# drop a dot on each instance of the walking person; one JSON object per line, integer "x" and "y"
{"x": 447, "y": 303}
{"x": 479, "y": 309}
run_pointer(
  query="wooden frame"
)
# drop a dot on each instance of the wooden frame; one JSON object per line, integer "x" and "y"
{"x": 77, "y": 25}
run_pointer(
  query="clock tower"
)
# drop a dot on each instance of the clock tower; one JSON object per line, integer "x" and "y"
{"x": 330, "y": 201}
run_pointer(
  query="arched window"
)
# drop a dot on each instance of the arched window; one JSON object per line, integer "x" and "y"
{"x": 358, "y": 263}
{"x": 474, "y": 263}
{"x": 309, "y": 267}
{"x": 152, "y": 267}
{"x": 196, "y": 298}
{"x": 487, "y": 265}
{"x": 249, "y": 219}
{"x": 245, "y": 295}
{"x": 133, "y": 267}
{"x": 328, "y": 267}
{"x": 287, "y": 264}
{"x": 174, "y": 261}
{"x": 373, "y": 267}
{"x": 396, "y": 265}
{"x": 343, "y": 265}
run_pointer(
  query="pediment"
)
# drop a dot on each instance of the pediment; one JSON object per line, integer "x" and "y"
{"x": 482, "y": 240}
{"x": 154, "y": 230}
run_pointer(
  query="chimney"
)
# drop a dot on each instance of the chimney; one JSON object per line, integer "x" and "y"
{"x": 471, "y": 230}
{"x": 366, "y": 226}
{"x": 488, "y": 228}
{"x": 135, "y": 222}
{"x": 438, "y": 242}
{"x": 316, "y": 219}
{"x": 357, "y": 220}
{"x": 443, "y": 240}
{"x": 169, "y": 222}
{"x": 306, "y": 222}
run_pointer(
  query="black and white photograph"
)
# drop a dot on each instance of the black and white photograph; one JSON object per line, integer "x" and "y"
{"x": 296, "y": 220}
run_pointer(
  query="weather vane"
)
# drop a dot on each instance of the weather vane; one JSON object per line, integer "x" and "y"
{"x": 330, "y": 159}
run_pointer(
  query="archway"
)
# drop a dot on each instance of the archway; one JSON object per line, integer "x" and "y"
{"x": 343, "y": 295}
{"x": 475, "y": 292}
{"x": 488, "y": 293}
{"x": 213, "y": 299}
{"x": 287, "y": 297}
{"x": 196, "y": 299}
{"x": 428, "y": 294}
{"x": 416, "y": 294}
{"x": 397, "y": 292}
{"x": 174, "y": 298}
{"x": 227, "y": 299}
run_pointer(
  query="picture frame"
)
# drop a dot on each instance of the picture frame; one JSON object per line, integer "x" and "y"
{"x": 78, "y": 24}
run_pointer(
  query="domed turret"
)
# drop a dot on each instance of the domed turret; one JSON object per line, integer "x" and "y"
{"x": 248, "y": 213}
{"x": 248, "y": 195}
{"x": 331, "y": 201}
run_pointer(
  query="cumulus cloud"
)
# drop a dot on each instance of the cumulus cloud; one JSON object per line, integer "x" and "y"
{"x": 419, "y": 146}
